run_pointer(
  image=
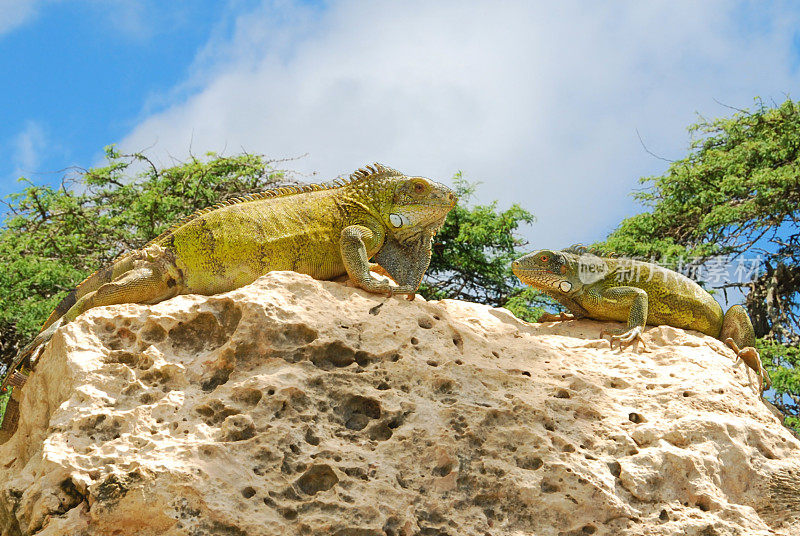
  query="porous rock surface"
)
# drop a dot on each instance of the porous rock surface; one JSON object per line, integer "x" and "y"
{"x": 294, "y": 407}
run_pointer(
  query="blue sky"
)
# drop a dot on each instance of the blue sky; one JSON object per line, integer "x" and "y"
{"x": 79, "y": 75}
{"x": 539, "y": 101}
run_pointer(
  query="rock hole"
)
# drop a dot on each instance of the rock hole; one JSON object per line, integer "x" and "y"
{"x": 526, "y": 373}
{"x": 238, "y": 428}
{"x": 687, "y": 394}
{"x": 218, "y": 377}
{"x": 432, "y": 363}
{"x": 548, "y": 487}
{"x": 317, "y": 478}
{"x": 288, "y": 513}
{"x": 663, "y": 516}
{"x": 615, "y": 469}
{"x": 458, "y": 341}
{"x": 383, "y": 386}
{"x": 122, "y": 357}
{"x": 549, "y": 426}
{"x": 636, "y": 418}
{"x": 358, "y": 411}
{"x": 424, "y": 322}
{"x": 153, "y": 333}
{"x": 703, "y": 503}
{"x": 331, "y": 354}
{"x": 562, "y": 393}
{"x": 248, "y": 395}
{"x": 459, "y": 362}
{"x": 588, "y": 529}
{"x": 311, "y": 438}
{"x": 375, "y": 310}
{"x": 414, "y": 341}
{"x": 248, "y": 492}
{"x": 530, "y": 463}
{"x": 443, "y": 469}
{"x": 205, "y": 331}
{"x": 380, "y": 432}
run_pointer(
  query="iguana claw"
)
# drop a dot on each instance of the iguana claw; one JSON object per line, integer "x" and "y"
{"x": 410, "y": 293}
{"x": 561, "y": 317}
{"x": 752, "y": 360}
{"x": 625, "y": 337}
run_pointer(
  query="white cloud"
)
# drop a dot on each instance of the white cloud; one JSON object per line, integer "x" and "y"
{"x": 28, "y": 147}
{"x": 539, "y": 101}
{"x": 14, "y": 13}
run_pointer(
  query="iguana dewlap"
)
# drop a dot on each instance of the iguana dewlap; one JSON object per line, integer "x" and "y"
{"x": 321, "y": 230}
{"x": 636, "y": 292}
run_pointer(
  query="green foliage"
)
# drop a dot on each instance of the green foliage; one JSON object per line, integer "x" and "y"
{"x": 52, "y": 238}
{"x": 472, "y": 257}
{"x": 5, "y": 396}
{"x": 739, "y": 184}
{"x": 736, "y": 193}
{"x": 782, "y": 363}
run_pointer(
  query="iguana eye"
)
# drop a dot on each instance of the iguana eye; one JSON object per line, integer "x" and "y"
{"x": 544, "y": 258}
{"x": 418, "y": 187}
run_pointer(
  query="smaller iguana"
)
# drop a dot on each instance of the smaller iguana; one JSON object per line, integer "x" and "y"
{"x": 593, "y": 286}
{"x": 323, "y": 230}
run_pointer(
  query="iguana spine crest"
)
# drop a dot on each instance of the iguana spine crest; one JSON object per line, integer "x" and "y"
{"x": 362, "y": 174}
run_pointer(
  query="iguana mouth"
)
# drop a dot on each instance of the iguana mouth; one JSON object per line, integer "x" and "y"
{"x": 542, "y": 279}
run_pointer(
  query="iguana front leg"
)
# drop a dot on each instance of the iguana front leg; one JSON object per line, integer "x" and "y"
{"x": 354, "y": 242}
{"x": 560, "y": 317}
{"x": 635, "y": 301}
{"x": 406, "y": 263}
{"x": 576, "y": 312}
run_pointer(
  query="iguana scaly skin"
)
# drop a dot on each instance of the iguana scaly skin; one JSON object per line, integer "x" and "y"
{"x": 324, "y": 231}
{"x": 619, "y": 289}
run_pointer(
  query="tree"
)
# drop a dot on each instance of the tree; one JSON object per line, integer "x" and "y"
{"x": 472, "y": 257}
{"x": 736, "y": 197}
{"x": 52, "y": 238}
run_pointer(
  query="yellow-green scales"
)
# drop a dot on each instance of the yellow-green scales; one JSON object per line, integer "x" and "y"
{"x": 593, "y": 286}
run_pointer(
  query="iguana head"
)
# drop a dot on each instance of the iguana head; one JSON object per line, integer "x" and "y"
{"x": 409, "y": 207}
{"x": 553, "y": 272}
{"x": 419, "y": 205}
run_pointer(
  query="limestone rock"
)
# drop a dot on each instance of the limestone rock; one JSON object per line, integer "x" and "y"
{"x": 294, "y": 407}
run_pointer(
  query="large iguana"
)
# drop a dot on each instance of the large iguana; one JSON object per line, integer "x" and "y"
{"x": 600, "y": 287}
{"x": 321, "y": 230}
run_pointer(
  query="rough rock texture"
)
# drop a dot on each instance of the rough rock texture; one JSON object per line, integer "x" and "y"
{"x": 294, "y": 406}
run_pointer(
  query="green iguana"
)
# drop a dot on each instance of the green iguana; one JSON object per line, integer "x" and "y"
{"x": 610, "y": 288}
{"x": 322, "y": 230}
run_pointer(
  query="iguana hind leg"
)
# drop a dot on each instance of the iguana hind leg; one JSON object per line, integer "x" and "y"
{"x": 738, "y": 333}
{"x": 737, "y": 326}
{"x": 149, "y": 282}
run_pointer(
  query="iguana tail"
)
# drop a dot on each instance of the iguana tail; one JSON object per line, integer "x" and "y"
{"x": 90, "y": 284}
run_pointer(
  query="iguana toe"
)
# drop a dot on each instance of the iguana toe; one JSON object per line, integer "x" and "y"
{"x": 408, "y": 290}
{"x": 625, "y": 337}
{"x": 560, "y": 317}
